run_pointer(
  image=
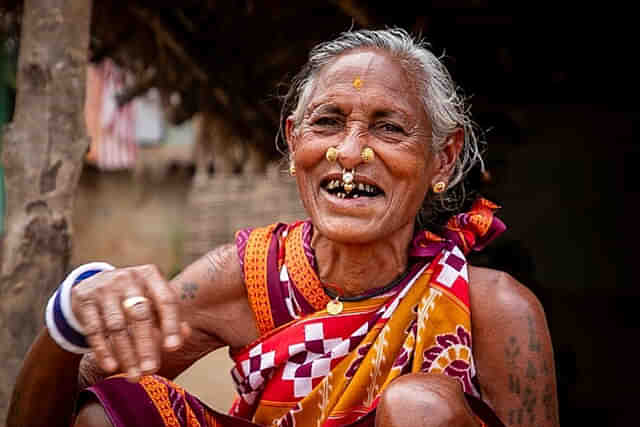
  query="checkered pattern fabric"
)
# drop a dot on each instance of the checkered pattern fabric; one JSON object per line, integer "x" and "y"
{"x": 257, "y": 369}
{"x": 313, "y": 359}
{"x": 454, "y": 267}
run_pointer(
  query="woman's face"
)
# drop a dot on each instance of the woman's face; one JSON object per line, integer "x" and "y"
{"x": 363, "y": 98}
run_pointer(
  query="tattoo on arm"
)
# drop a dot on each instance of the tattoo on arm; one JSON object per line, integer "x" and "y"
{"x": 531, "y": 371}
{"x": 530, "y": 382}
{"x": 511, "y": 351}
{"x": 514, "y": 384}
{"x": 524, "y": 387}
{"x": 547, "y": 401}
{"x": 515, "y": 416}
{"x": 189, "y": 290}
{"x": 534, "y": 342}
{"x": 529, "y": 401}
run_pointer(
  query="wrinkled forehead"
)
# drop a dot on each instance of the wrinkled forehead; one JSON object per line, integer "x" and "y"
{"x": 370, "y": 65}
{"x": 364, "y": 73}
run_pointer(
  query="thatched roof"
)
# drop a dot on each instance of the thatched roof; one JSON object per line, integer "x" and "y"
{"x": 234, "y": 57}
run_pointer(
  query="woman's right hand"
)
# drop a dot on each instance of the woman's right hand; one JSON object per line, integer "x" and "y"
{"x": 129, "y": 337}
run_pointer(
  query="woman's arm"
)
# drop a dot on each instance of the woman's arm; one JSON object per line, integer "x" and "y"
{"x": 209, "y": 296}
{"x": 512, "y": 349}
{"x": 46, "y": 386}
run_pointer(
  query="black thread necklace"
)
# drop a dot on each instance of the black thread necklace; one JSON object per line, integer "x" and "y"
{"x": 335, "y": 306}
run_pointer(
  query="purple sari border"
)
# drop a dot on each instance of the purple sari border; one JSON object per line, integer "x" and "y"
{"x": 126, "y": 404}
{"x": 274, "y": 287}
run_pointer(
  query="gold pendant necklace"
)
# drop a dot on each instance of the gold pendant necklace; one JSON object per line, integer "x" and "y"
{"x": 335, "y": 306}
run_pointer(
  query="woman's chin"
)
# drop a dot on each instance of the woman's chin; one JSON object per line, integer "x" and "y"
{"x": 350, "y": 230}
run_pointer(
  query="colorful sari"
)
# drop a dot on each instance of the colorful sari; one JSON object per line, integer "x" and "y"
{"x": 310, "y": 367}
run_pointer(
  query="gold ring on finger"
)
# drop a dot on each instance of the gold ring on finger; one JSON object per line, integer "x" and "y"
{"x": 133, "y": 301}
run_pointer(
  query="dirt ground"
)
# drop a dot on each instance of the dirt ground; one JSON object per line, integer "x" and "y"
{"x": 210, "y": 380}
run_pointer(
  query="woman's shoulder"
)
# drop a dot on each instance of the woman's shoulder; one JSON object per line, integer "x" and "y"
{"x": 497, "y": 296}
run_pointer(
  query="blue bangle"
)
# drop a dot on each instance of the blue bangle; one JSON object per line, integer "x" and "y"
{"x": 62, "y": 324}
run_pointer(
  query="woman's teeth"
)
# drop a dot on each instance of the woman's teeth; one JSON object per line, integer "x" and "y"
{"x": 351, "y": 190}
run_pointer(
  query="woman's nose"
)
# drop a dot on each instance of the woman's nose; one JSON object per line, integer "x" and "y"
{"x": 351, "y": 147}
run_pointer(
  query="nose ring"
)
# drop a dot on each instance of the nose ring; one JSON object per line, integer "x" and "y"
{"x": 332, "y": 154}
{"x": 367, "y": 154}
{"x": 347, "y": 180}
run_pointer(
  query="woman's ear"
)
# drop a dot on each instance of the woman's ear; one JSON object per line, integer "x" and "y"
{"x": 289, "y": 133}
{"x": 448, "y": 156}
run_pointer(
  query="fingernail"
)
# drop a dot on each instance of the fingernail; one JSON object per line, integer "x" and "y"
{"x": 172, "y": 341}
{"x": 148, "y": 365}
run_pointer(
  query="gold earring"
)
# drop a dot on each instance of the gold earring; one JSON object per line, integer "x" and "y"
{"x": 439, "y": 187}
{"x": 292, "y": 168}
{"x": 332, "y": 154}
{"x": 367, "y": 154}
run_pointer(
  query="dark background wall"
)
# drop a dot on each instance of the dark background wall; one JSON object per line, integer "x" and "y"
{"x": 557, "y": 92}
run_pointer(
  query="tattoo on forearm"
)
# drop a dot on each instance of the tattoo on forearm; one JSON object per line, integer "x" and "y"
{"x": 534, "y": 343}
{"x": 189, "y": 290}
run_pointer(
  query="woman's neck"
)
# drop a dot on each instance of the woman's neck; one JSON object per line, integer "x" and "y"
{"x": 356, "y": 268}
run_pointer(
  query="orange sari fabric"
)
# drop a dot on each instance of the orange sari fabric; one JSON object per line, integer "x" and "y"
{"x": 330, "y": 370}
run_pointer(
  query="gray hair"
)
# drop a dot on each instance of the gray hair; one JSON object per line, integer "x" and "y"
{"x": 443, "y": 104}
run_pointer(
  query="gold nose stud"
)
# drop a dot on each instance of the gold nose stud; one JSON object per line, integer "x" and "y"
{"x": 331, "y": 154}
{"x": 367, "y": 154}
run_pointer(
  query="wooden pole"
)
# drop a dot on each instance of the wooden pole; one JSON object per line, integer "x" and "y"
{"x": 42, "y": 157}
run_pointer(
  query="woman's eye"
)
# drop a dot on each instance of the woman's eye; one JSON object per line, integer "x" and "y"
{"x": 326, "y": 121}
{"x": 390, "y": 127}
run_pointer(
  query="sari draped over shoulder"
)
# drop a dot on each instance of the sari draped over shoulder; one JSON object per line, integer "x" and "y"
{"x": 310, "y": 367}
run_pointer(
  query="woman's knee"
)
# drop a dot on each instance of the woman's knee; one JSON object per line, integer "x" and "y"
{"x": 92, "y": 414}
{"x": 424, "y": 399}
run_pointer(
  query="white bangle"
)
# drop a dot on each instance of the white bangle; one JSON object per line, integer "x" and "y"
{"x": 63, "y": 326}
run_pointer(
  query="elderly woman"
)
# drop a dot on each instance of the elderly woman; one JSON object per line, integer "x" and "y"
{"x": 363, "y": 314}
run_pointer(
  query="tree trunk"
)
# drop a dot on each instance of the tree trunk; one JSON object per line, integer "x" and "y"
{"x": 42, "y": 156}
